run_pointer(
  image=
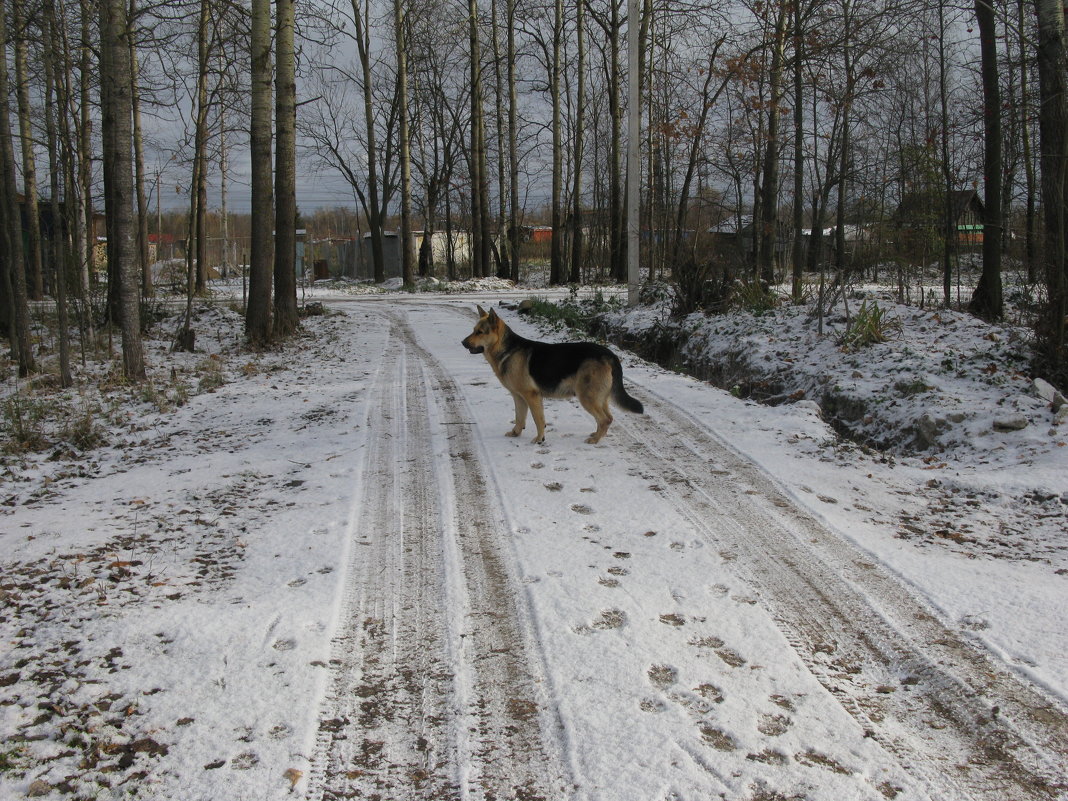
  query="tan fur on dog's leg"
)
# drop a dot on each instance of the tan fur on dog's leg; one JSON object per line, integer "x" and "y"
{"x": 520, "y": 415}
{"x": 600, "y": 413}
{"x": 538, "y": 413}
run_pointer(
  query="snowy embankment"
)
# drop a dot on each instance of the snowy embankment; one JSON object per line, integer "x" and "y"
{"x": 970, "y": 459}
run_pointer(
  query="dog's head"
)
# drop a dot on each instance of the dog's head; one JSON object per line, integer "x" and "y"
{"x": 488, "y": 333}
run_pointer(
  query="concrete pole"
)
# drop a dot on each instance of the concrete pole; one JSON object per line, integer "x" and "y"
{"x": 634, "y": 116}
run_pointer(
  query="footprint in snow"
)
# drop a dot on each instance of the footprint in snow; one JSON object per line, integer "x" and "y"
{"x": 611, "y": 619}
{"x": 663, "y": 676}
{"x": 710, "y": 692}
{"x": 773, "y": 725}
{"x": 581, "y": 508}
{"x": 717, "y": 738}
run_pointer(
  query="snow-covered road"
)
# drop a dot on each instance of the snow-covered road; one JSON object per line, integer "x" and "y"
{"x": 420, "y": 607}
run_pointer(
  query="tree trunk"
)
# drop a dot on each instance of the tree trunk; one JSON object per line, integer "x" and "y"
{"x": 286, "y": 320}
{"x": 16, "y": 312}
{"x": 949, "y": 223}
{"x": 575, "y": 276}
{"x": 34, "y": 258}
{"x": 147, "y": 289}
{"x": 86, "y": 70}
{"x": 769, "y": 203}
{"x": 503, "y": 258}
{"x": 987, "y": 299}
{"x": 374, "y": 222}
{"x": 513, "y": 147}
{"x": 556, "y": 249}
{"x": 55, "y": 105}
{"x": 1030, "y": 214}
{"x": 408, "y": 265}
{"x": 617, "y": 263}
{"x": 117, "y": 137}
{"x": 797, "y": 271}
{"x": 1053, "y": 124}
{"x": 258, "y": 312}
{"x": 479, "y": 180}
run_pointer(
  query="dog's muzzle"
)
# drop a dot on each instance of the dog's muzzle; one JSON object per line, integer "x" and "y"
{"x": 472, "y": 348}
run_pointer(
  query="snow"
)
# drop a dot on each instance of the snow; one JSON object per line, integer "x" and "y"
{"x": 171, "y": 599}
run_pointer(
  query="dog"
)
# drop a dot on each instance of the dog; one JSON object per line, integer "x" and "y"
{"x": 533, "y": 370}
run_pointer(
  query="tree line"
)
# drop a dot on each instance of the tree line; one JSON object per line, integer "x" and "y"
{"x": 801, "y": 126}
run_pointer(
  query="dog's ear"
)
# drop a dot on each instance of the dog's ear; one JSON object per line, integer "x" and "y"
{"x": 493, "y": 318}
{"x": 481, "y": 311}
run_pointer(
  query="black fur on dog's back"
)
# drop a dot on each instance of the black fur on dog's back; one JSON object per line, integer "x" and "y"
{"x": 550, "y": 363}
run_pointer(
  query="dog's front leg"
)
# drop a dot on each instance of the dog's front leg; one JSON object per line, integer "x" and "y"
{"x": 538, "y": 413}
{"x": 520, "y": 415}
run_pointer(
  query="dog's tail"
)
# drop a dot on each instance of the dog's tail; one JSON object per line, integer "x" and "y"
{"x": 619, "y": 393}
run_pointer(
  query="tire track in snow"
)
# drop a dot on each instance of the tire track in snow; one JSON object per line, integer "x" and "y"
{"x": 952, "y": 717}
{"x": 384, "y": 728}
{"x": 433, "y": 692}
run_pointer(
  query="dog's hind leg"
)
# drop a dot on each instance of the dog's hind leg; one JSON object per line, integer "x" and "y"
{"x": 520, "y": 415}
{"x": 598, "y": 407}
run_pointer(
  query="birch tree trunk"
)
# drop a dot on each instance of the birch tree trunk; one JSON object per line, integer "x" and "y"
{"x": 117, "y": 133}
{"x": 147, "y": 289}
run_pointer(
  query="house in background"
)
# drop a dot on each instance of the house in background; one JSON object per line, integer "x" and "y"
{"x": 926, "y": 211}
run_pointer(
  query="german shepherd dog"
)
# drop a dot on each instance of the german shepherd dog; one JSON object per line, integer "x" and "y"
{"x": 534, "y": 370}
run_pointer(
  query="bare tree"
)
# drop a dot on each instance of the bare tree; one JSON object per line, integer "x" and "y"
{"x": 1053, "y": 129}
{"x": 987, "y": 299}
{"x": 407, "y": 252}
{"x": 575, "y": 274}
{"x": 34, "y": 259}
{"x": 286, "y": 320}
{"x": 147, "y": 288}
{"x": 117, "y": 132}
{"x": 16, "y": 316}
{"x": 54, "y": 107}
{"x": 258, "y": 312}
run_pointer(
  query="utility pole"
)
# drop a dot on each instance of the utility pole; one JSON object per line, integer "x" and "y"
{"x": 634, "y": 114}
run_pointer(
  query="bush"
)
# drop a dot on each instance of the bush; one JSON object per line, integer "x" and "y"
{"x": 699, "y": 286}
{"x": 754, "y": 297}
{"x": 24, "y": 420}
{"x": 870, "y": 326}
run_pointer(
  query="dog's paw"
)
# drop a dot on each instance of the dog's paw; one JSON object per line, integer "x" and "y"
{"x": 592, "y": 439}
{"x": 538, "y": 440}
{"x": 513, "y": 433}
